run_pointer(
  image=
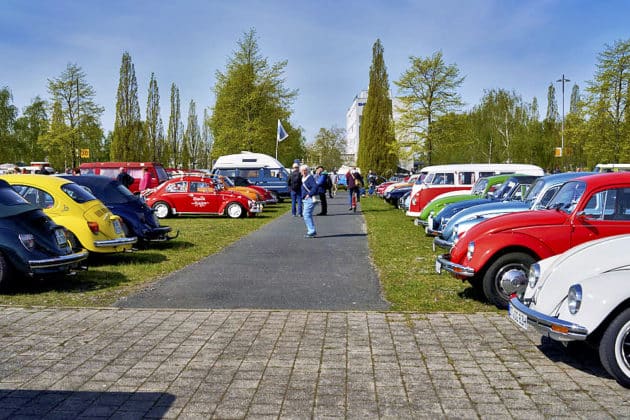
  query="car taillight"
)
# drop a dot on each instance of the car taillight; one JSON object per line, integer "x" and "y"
{"x": 93, "y": 226}
{"x": 28, "y": 240}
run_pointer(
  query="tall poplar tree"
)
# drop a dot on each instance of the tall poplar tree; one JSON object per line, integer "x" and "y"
{"x": 428, "y": 90}
{"x": 128, "y": 143}
{"x": 250, "y": 99}
{"x": 78, "y": 113}
{"x": 378, "y": 150}
{"x": 206, "y": 138}
{"x": 174, "y": 137}
{"x": 552, "y": 104}
{"x": 153, "y": 124}
{"x": 192, "y": 137}
{"x": 8, "y": 115}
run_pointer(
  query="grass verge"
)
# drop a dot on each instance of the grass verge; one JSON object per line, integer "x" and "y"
{"x": 405, "y": 260}
{"x": 113, "y": 276}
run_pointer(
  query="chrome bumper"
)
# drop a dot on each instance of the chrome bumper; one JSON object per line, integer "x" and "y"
{"x": 554, "y": 328}
{"x": 116, "y": 242}
{"x": 60, "y": 261}
{"x": 444, "y": 262}
{"x": 442, "y": 243}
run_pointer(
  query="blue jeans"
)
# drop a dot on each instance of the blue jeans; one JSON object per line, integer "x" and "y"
{"x": 308, "y": 207}
{"x": 296, "y": 203}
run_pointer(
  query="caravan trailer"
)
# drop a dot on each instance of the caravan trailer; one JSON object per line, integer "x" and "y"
{"x": 262, "y": 170}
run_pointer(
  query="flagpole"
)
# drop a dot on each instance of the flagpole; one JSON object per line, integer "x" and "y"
{"x": 276, "y": 147}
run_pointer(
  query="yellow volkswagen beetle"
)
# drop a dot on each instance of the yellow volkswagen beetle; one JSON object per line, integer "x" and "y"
{"x": 94, "y": 227}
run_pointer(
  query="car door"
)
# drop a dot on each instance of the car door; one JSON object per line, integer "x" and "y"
{"x": 205, "y": 197}
{"x": 606, "y": 213}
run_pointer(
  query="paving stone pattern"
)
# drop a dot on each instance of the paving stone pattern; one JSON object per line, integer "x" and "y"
{"x": 140, "y": 363}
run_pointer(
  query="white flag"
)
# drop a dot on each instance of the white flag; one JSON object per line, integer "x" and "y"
{"x": 282, "y": 134}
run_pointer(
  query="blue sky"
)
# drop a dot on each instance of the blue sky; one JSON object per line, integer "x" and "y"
{"x": 516, "y": 45}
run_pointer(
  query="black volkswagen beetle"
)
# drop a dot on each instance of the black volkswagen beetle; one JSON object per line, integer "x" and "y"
{"x": 31, "y": 244}
{"x": 138, "y": 218}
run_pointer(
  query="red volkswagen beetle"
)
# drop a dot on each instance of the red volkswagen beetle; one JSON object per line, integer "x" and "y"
{"x": 196, "y": 194}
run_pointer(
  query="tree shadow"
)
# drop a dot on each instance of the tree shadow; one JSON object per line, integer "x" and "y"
{"x": 84, "y": 281}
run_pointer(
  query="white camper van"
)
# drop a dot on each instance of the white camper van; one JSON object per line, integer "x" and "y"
{"x": 260, "y": 169}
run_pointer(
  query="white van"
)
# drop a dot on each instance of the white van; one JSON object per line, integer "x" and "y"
{"x": 612, "y": 167}
{"x": 438, "y": 179}
{"x": 260, "y": 169}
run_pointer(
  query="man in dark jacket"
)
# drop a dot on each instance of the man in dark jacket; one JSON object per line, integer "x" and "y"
{"x": 321, "y": 176}
{"x": 124, "y": 178}
{"x": 295, "y": 185}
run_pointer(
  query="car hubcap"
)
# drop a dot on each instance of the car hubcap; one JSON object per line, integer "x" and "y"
{"x": 513, "y": 279}
{"x": 234, "y": 211}
{"x": 161, "y": 211}
{"x": 622, "y": 349}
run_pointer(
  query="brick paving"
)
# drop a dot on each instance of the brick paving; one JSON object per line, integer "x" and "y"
{"x": 160, "y": 363}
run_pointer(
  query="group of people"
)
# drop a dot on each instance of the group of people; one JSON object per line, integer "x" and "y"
{"x": 309, "y": 189}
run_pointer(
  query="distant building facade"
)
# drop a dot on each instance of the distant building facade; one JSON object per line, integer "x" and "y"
{"x": 354, "y": 118}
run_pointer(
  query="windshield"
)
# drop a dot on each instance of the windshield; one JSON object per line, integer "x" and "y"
{"x": 77, "y": 193}
{"x": 224, "y": 180}
{"x": 480, "y": 186}
{"x": 567, "y": 198}
{"x": 534, "y": 190}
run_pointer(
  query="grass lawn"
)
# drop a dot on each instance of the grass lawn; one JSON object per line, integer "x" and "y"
{"x": 401, "y": 253}
{"x": 112, "y": 276}
{"x": 405, "y": 260}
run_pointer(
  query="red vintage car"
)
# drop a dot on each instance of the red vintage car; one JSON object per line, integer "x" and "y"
{"x": 198, "y": 195}
{"x": 496, "y": 254}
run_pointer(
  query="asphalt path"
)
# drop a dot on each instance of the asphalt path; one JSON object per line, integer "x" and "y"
{"x": 277, "y": 268}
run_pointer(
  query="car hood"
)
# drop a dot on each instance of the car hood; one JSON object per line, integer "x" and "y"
{"x": 454, "y": 208}
{"x": 576, "y": 265}
{"x": 529, "y": 218}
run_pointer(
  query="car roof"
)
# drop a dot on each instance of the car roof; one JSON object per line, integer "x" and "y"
{"x": 47, "y": 180}
{"x": 602, "y": 179}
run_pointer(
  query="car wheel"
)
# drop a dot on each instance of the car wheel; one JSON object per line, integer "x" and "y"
{"x": 162, "y": 209}
{"x": 614, "y": 348}
{"x": 507, "y": 275}
{"x": 4, "y": 273}
{"x": 234, "y": 210}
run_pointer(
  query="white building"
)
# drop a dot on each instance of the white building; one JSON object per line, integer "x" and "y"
{"x": 354, "y": 117}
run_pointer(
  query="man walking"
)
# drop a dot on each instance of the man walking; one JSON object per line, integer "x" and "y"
{"x": 295, "y": 186}
{"x": 322, "y": 177}
{"x": 310, "y": 197}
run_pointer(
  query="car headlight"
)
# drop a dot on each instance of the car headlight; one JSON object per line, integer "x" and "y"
{"x": 28, "y": 240}
{"x": 574, "y": 298}
{"x": 471, "y": 250}
{"x": 534, "y": 275}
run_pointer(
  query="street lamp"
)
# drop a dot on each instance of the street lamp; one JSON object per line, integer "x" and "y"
{"x": 562, "y": 80}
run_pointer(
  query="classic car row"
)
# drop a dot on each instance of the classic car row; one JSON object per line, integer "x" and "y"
{"x": 50, "y": 224}
{"x": 557, "y": 257}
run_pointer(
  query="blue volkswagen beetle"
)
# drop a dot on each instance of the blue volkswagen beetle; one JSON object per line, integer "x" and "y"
{"x": 512, "y": 188}
{"x": 138, "y": 218}
{"x": 537, "y": 197}
{"x": 31, "y": 244}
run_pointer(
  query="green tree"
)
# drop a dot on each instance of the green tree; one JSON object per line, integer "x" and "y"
{"x": 378, "y": 150}
{"x": 58, "y": 139}
{"x": 154, "y": 130}
{"x": 552, "y": 104}
{"x": 607, "y": 103}
{"x": 192, "y": 137}
{"x": 328, "y": 147}
{"x": 128, "y": 143}
{"x": 8, "y": 115}
{"x": 29, "y": 127}
{"x": 250, "y": 98}
{"x": 428, "y": 90}
{"x": 174, "y": 136}
{"x": 206, "y": 139}
{"x": 79, "y": 114}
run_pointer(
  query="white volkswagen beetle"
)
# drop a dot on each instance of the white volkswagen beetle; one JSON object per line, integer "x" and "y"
{"x": 583, "y": 294}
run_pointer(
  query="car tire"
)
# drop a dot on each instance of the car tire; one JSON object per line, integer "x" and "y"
{"x": 234, "y": 210}
{"x": 5, "y": 275}
{"x": 497, "y": 280}
{"x": 162, "y": 210}
{"x": 614, "y": 348}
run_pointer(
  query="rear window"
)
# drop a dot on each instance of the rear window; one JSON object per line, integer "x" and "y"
{"x": 77, "y": 193}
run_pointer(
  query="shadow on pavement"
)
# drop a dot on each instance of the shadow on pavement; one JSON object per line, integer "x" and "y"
{"x": 85, "y": 404}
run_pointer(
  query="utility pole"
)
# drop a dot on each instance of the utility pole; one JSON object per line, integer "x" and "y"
{"x": 563, "y": 80}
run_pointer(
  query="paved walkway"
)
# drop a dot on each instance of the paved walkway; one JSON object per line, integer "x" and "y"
{"x": 156, "y": 363}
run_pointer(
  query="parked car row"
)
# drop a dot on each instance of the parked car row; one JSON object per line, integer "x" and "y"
{"x": 557, "y": 258}
{"x": 51, "y": 224}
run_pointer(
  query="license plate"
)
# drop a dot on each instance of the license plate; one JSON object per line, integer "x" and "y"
{"x": 429, "y": 222}
{"x": 60, "y": 235}
{"x": 118, "y": 227}
{"x": 438, "y": 267}
{"x": 517, "y": 316}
